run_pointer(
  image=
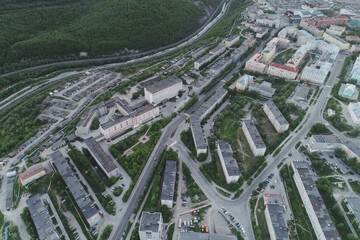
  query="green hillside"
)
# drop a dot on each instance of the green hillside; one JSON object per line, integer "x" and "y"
{"x": 48, "y": 30}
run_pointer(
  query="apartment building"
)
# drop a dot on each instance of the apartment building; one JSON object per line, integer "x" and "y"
{"x": 276, "y": 118}
{"x": 335, "y": 39}
{"x": 313, "y": 204}
{"x": 264, "y": 88}
{"x": 354, "y": 112}
{"x": 274, "y": 214}
{"x": 254, "y": 64}
{"x": 282, "y": 71}
{"x": 32, "y": 174}
{"x": 164, "y": 89}
{"x": 228, "y": 163}
{"x": 168, "y": 185}
{"x": 243, "y": 82}
{"x": 355, "y": 71}
{"x": 253, "y": 138}
{"x": 232, "y": 40}
{"x": 151, "y": 226}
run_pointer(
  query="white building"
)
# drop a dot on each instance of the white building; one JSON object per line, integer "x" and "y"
{"x": 203, "y": 60}
{"x": 282, "y": 71}
{"x": 253, "y": 138}
{"x": 316, "y": 75}
{"x": 313, "y": 204}
{"x": 150, "y": 226}
{"x": 354, "y": 112}
{"x": 355, "y": 72}
{"x": 219, "y": 66}
{"x": 349, "y": 90}
{"x": 228, "y": 163}
{"x": 276, "y": 118}
{"x": 162, "y": 90}
{"x": 131, "y": 119}
{"x": 168, "y": 186}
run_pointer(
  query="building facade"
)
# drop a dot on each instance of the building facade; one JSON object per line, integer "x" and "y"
{"x": 168, "y": 186}
{"x": 354, "y": 112}
{"x": 243, "y": 82}
{"x": 319, "y": 217}
{"x": 335, "y": 39}
{"x": 162, "y": 90}
{"x": 228, "y": 163}
{"x": 254, "y": 64}
{"x": 32, "y": 174}
{"x": 355, "y": 71}
{"x": 253, "y": 138}
{"x": 282, "y": 71}
{"x": 276, "y": 118}
{"x": 264, "y": 88}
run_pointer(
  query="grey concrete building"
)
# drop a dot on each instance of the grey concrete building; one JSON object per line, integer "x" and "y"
{"x": 203, "y": 236}
{"x": 353, "y": 204}
{"x": 275, "y": 207}
{"x": 319, "y": 217}
{"x": 228, "y": 163}
{"x": 168, "y": 186}
{"x": 276, "y": 118}
{"x": 150, "y": 226}
{"x": 41, "y": 218}
{"x": 102, "y": 159}
{"x": 253, "y": 138}
{"x": 263, "y": 89}
{"x": 81, "y": 197}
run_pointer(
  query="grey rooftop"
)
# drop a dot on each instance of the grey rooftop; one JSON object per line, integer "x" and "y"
{"x": 227, "y": 154}
{"x": 278, "y": 115}
{"x": 168, "y": 186}
{"x": 254, "y": 133}
{"x": 160, "y": 85}
{"x": 150, "y": 221}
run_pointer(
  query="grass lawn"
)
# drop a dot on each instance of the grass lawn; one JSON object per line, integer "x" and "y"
{"x": 260, "y": 214}
{"x": 303, "y": 225}
{"x": 284, "y": 56}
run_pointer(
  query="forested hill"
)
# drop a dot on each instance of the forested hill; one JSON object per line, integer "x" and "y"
{"x": 33, "y": 30}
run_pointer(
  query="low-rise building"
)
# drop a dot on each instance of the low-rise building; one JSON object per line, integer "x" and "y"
{"x": 319, "y": 143}
{"x": 254, "y": 64}
{"x": 319, "y": 217}
{"x": 102, "y": 159}
{"x": 335, "y": 39}
{"x": 228, "y": 163}
{"x": 81, "y": 197}
{"x": 262, "y": 33}
{"x": 355, "y": 71}
{"x": 264, "y": 88}
{"x": 243, "y": 82}
{"x": 249, "y": 42}
{"x": 335, "y": 30}
{"x": 253, "y": 138}
{"x": 354, "y": 112}
{"x": 274, "y": 208}
{"x": 311, "y": 28}
{"x": 238, "y": 53}
{"x": 231, "y": 40}
{"x": 355, "y": 21}
{"x": 279, "y": 70}
{"x": 349, "y": 90}
{"x": 41, "y": 219}
{"x": 32, "y": 174}
{"x": 164, "y": 89}
{"x": 221, "y": 48}
{"x": 276, "y": 118}
{"x": 352, "y": 38}
{"x": 168, "y": 185}
{"x": 150, "y": 226}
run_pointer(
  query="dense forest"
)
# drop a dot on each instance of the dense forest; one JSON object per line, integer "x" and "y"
{"x": 32, "y": 31}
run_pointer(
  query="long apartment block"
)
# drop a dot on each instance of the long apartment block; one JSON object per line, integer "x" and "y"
{"x": 276, "y": 118}
{"x": 253, "y": 138}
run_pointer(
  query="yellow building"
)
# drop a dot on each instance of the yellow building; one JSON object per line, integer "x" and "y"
{"x": 338, "y": 41}
{"x": 268, "y": 53}
{"x": 32, "y": 174}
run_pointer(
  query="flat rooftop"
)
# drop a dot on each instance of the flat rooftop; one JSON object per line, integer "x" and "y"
{"x": 203, "y": 236}
{"x": 101, "y": 157}
{"x": 41, "y": 219}
{"x": 168, "y": 186}
{"x": 150, "y": 221}
{"x": 160, "y": 85}
{"x": 198, "y": 134}
{"x": 308, "y": 180}
{"x": 227, "y": 154}
{"x": 278, "y": 115}
{"x": 86, "y": 206}
{"x": 254, "y": 134}
{"x": 326, "y": 138}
